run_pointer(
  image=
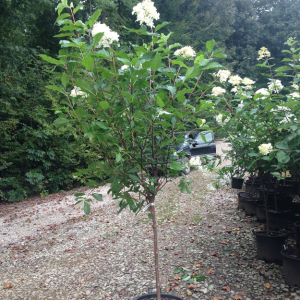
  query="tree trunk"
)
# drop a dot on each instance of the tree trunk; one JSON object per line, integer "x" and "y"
{"x": 154, "y": 227}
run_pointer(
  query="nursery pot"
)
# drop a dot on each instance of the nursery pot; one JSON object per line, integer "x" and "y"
{"x": 250, "y": 206}
{"x": 269, "y": 246}
{"x": 297, "y": 225}
{"x": 284, "y": 203}
{"x": 278, "y": 219}
{"x": 291, "y": 268}
{"x": 252, "y": 187}
{"x": 154, "y": 296}
{"x": 286, "y": 190}
{"x": 260, "y": 213}
{"x": 241, "y": 199}
{"x": 237, "y": 183}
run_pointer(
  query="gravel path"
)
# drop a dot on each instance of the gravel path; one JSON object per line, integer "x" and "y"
{"x": 50, "y": 250}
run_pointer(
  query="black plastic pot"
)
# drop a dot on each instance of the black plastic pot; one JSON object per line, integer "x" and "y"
{"x": 284, "y": 203}
{"x": 297, "y": 225}
{"x": 237, "y": 183}
{"x": 269, "y": 246}
{"x": 242, "y": 196}
{"x": 286, "y": 190}
{"x": 250, "y": 206}
{"x": 278, "y": 220}
{"x": 154, "y": 296}
{"x": 261, "y": 213}
{"x": 252, "y": 187}
{"x": 291, "y": 269}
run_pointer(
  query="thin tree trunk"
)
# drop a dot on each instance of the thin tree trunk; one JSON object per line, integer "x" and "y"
{"x": 154, "y": 227}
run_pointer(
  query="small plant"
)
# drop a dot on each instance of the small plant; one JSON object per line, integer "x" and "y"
{"x": 188, "y": 275}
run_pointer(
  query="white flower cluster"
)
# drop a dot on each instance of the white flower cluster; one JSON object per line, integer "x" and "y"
{"x": 263, "y": 92}
{"x": 203, "y": 122}
{"x": 220, "y": 121}
{"x": 124, "y": 67}
{"x": 275, "y": 86}
{"x": 218, "y": 91}
{"x": 295, "y": 95}
{"x": 223, "y": 75}
{"x": 247, "y": 81}
{"x": 263, "y": 53}
{"x": 264, "y": 149}
{"x": 77, "y": 92}
{"x": 235, "y": 80}
{"x": 241, "y": 105}
{"x": 288, "y": 118}
{"x": 109, "y": 36}
{"x": 185, "y": 52}
{"x": 146, "y": 12}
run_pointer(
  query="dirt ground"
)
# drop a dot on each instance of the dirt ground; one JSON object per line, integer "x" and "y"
{"x": 50, "y": 250}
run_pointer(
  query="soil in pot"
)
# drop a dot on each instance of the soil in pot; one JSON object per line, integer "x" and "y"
{"x": 291, "y": 266}
{"x": 241, "y": 199}
{"x": 269, "y": 246}
{"x": 250, "y": 205}
{"x": 237, "y": 183}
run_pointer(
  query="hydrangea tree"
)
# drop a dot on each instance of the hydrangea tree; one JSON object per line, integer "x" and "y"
{"x": 130, "y": 106}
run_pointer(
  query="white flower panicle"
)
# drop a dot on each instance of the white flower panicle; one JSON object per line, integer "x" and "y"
{"x": 185, "y": 52}
{"x": 263, "y": 53}
{"x": 295, "y": 95}
{"x": 241, "y": 105}
{"x": 263, "y": 92}
{"x": 295, "y": 86}
{"x": 109, "y": 36}
{"x": 234, "y": 90}
{"x": 220, "y": 121}
{"x": 248, "y": 81}
{"x": 288, "y": 118}
{"x": 77, "y": 92}
{"x": 203, "y": 122}
{"x": 223, "y": 75}
{"x": 124, "y": 67}
{"x": 265, "y": 149}
{"x": 275, "y": 86}
{"x": 218, "y": 91}
{"x": 146, "y": 13}
{"x": 235, "y": 80}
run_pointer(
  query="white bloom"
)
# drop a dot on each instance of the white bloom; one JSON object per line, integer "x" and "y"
{"x": 223, "y": 75}
{"x": 234, "y": 90}
{"x": 264, "y": 149}
{"x": 248, "y": 87}
{"x": 203, "y": 122}
{"x": 235, "y": 80}
{"x": 295, "y": 95}
{"x": 124, "y": 67}
{"x": 220, "y": 121}
{"x": 247, "y": 81}
{"x": 263, "y": 92}
{"x": 283, "y": 108}
{"x": 108, "y": 37}
{"x": 295, "y": 86}
{"x": 288, "y": 118}
{"x": 263, "y": 53}
{"x": 241, "y": 105}
{"x": 185, "y": 52}
{"x": 275, "y": 86}
{"x": 218, "y": 91}
{"x": 146, "y": 12}
{"x": 77, "y": 92}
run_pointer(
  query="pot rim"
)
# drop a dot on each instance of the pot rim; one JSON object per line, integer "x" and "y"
{"x": 287, "y": 256}
{"x": 264, "y": 233}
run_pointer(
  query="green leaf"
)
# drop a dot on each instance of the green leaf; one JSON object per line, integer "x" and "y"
{"x": 284, "y": 68}
{"x": 98, "y": 197}
{"x": 175, "y": 165}
{"x": 64, "y": 79}
{"x": 163, "y": 24}
{"x": 94, "y": 18}
{"x": 86, "y": 208}
{"x": 50, "y": 59}
{"x": 97, "y": 38}
{"x": 77, "y": 8}
{"x": 79, "y": 194}
{"x": 60, "y": 122}
{"x": 177, "y": 270}
{"x": 160, "y": 102}
{"x": 210, "y": 45}
{"x": 173, "y": 121}
{"x": 118, "y": 157}
{"x": 239, "y": 126}
{"x": 71, "y": 67}
{"x": 200, "y": 278}
{"x": 134, "y": 177}
{"x": 88, "y": 62}
{"x": 155, "y": 62}
{"x": 282, "y": 146}
{"x": 185, "y": 277}
{"x": 282, "y": 157}
{"x": 172, "y": 89}
{"x": 55, "y": 88}
{"x": 104, "y": 105}
{"x": 150, "y": 216}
